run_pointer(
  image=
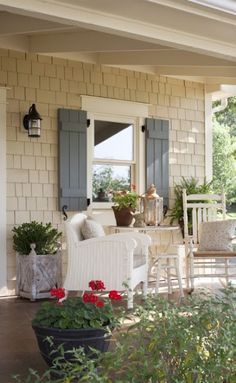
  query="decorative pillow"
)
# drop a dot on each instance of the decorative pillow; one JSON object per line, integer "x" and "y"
{"x": 217, "y": 235}
{"x": 92, "y": 229}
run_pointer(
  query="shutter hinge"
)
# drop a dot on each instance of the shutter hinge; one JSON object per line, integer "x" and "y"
{"x": 88, "y": 123}
{"x": 143, "y": 128}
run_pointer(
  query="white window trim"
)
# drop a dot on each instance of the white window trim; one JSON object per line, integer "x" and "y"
{"x": 106, "y": 109}
{"x": 3, "y": 218}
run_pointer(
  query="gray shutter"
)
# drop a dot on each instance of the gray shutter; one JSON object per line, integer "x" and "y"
{"x": 157, "y": 156}
{"x": 72, "y": 126}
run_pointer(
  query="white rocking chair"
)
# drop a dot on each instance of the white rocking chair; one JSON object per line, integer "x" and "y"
{"x": 205, "y": 210}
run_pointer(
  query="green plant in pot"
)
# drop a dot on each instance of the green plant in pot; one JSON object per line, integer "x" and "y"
{"x": 45, "y": 237}
{"x": 38, "y": 259}
{"x": 192, "y": 186}
{"x": 125, "y": 204}
{"x": 85, "y": 321}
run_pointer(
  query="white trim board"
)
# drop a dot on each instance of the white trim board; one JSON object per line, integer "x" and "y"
{"x": 113, "y": 106}
{"x": 3, "y": 218}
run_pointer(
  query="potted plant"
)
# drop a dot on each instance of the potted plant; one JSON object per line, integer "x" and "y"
{"x": 193, "y": 341}
{"x": 192, "y": 187}
{"x": 38, "y": 259}
{"x": 75, "y": 322}
{"x": 125, "y": 204}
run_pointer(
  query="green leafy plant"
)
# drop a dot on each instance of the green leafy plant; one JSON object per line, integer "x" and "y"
{"x": 126, "y": 199}
{"x": 88, "y": 311}
{"x": 45, "y": 237}
{"x": 193, "y": 342}
{"x": 192, "y": 187}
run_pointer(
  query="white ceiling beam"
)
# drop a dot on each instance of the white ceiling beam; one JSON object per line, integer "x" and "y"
{"x": 120, "y": 25}
{"x": 77, "y": 56}
{"x": 86, "y": 41}
{"x": 220, "y": 80}
{"x": 210, "y": 71}
{"x": 16, "y": 24}
{"x": 196, "y": 10}
{"x": 228, "y": 6}
{"x": 163, "y": 58}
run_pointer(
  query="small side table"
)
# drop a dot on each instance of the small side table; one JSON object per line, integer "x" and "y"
{"x": 160, "y": 261}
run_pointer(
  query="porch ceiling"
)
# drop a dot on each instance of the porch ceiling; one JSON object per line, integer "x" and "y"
{"x": 181, "y": 38}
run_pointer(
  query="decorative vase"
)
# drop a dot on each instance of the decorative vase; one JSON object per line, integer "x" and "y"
{"x": 123, "y": 216}
{"x": 96, "y": 338}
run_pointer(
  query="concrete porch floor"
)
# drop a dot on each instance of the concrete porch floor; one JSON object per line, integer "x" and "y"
{"x": 18, "y": 346}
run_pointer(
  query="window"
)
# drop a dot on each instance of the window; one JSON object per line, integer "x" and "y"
{"x": 113, "y": 159}
{"x": 85, "y": 154}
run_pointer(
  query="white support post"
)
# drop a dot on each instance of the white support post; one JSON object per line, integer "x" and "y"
{"x": 208, "y": 137}
{"x": 3, "y": 218}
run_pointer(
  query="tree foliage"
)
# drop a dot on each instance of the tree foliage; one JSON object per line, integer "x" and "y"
{"x": 224, "y": 169}
{"x": 104, "y": 180}
{"x": 227, "y": 116}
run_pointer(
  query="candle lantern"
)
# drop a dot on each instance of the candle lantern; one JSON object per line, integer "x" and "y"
{"x": 152, "y": 207}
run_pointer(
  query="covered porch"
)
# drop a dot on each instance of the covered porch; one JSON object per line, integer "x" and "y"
{"x": 126, "y": 65}
{"x": 121, "y": 63}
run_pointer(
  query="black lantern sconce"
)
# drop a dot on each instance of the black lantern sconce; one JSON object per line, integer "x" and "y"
{"x": 32, "y": 122}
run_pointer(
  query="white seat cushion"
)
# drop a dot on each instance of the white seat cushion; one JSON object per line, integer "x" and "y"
{"x": 92, "y": 229}
{"x": 139, "y": 260}
{"x": 217, "y": 235}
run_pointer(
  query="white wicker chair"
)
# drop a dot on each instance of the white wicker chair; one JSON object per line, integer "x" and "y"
{"x": 116, "y": 259}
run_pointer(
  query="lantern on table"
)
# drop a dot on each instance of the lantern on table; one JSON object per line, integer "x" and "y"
{"x": 152, "y": 207}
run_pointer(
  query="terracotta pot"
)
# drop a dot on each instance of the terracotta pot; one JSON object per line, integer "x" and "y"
{"x": 124, "y": 216}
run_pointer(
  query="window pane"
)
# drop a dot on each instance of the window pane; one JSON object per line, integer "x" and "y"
{"x": 113, "y": 140}
{"x": 107, "y": 179}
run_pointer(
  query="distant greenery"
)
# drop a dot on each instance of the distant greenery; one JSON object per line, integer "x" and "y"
{"x": 227, "y": 116}
{"x": 224, "y": 150}
{"x": 104, "y": 180}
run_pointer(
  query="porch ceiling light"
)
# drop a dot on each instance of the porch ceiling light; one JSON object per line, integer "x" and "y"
{"x": 32, "y": 122}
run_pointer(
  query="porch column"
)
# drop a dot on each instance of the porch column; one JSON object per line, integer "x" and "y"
{"x": 3, "y": 220}
{"x": 208, "y": 137}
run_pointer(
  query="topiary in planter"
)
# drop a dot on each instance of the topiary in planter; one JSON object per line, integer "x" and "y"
{"x": 45, "y": 237}
{"x": 38, "y": 263}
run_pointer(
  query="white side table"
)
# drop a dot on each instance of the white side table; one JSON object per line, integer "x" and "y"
{"x": 166, "y": 260}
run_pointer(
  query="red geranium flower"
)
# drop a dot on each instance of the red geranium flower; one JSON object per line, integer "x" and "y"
{"x": 115, "y": 295}
{"x": 100, "y": 304}
{"x": 90, "y": 298}
{"x": 97, "y": 285}
{"x": 58, "y": 292}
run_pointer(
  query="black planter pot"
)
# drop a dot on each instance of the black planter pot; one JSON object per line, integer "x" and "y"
{"x": 70, "y": 339}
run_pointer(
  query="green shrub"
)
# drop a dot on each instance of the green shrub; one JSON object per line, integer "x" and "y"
{"x": 45, "y": 237}
{"x": 194, "y": 342}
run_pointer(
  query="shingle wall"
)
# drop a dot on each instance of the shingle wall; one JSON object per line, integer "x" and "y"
{"x": 32, "y": 181}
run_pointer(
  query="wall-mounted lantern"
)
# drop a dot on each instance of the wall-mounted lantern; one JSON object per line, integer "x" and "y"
{"x": 32, "y": 122}
{"x": 152, "y": 207}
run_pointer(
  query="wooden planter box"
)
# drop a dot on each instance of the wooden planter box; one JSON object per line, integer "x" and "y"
{"x": 37, "y": 275}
